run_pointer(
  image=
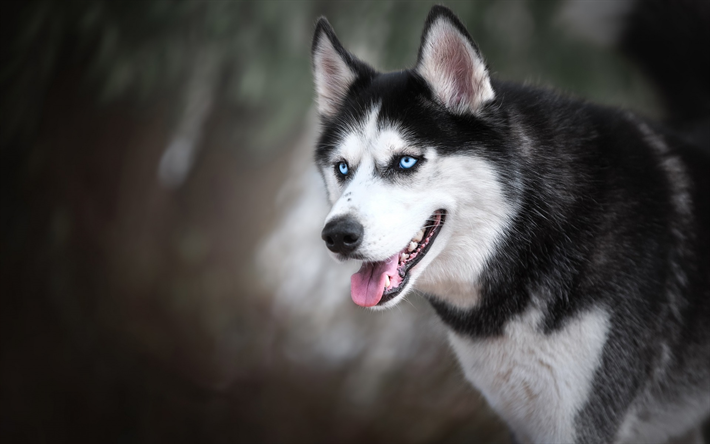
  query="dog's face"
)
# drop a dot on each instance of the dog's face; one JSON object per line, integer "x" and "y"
{"x": 411, "y": 162}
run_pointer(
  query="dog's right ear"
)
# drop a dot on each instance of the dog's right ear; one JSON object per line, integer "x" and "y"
{"x": 334, "y": 69}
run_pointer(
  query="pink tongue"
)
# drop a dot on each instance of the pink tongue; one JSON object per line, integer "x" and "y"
{"x": 368, "y": 284}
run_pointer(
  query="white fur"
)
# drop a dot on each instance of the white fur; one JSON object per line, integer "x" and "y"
{"x": 467, "y": 187}
{"x": 478, "y": 216}
{"x": 390, "y": 215}
{"x": 537, "y": 382}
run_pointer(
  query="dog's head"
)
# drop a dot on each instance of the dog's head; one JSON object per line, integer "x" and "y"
{"x": 410, "y": 162}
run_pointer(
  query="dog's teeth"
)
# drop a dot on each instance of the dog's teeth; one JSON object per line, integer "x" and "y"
{"x": 419, "y": 236}
{"x": 412, "y": 246}
{"x": 387, "y": 280}
{"x": 404, "y": 257}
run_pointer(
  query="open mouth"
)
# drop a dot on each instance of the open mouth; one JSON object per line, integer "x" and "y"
{"x": 379, "y": 282}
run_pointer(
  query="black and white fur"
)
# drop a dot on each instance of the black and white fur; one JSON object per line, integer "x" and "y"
{"x": 573, "y": 264}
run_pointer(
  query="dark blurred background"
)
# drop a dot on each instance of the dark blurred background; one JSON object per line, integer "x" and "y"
{"x": 161, "y": 273}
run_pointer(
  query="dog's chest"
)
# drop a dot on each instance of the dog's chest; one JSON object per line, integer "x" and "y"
{"x": 536, "y": 382}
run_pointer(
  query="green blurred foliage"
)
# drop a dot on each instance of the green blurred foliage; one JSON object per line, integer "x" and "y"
{"x": 146, "y": 49}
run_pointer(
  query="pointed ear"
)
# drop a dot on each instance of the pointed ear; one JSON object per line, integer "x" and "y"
{"x": 334, "y": 69}
{"x": 450, "y": 62}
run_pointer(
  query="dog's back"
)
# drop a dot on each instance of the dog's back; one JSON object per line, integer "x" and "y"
{"x": 603, "y": 283}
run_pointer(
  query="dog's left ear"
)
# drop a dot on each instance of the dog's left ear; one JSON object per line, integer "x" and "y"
{"x": 450, "y": 62}
{"x": 334, "y": 69}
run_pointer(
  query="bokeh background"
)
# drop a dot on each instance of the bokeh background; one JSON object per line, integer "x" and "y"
{"x": 161, "y": 273}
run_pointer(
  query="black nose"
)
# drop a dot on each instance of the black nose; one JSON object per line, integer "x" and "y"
{"x": 342, "y": 234}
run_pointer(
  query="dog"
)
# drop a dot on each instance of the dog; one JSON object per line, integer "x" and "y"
{"x": 565, "y": 245}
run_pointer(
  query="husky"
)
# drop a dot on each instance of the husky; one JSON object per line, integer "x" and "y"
{"x": 565, "y": 245}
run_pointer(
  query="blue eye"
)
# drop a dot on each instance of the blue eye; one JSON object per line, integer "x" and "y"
{"x": 407, "y": 162}
{"x": 343, "y": 168}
